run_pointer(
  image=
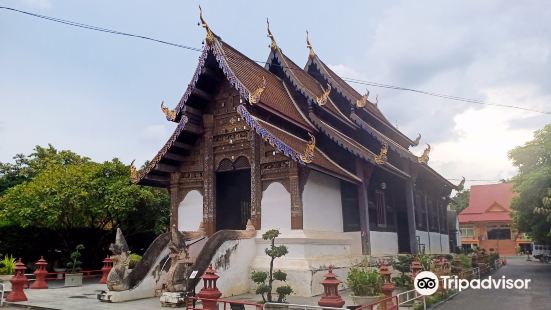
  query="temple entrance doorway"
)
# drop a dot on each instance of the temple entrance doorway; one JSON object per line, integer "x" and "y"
{"x": 233, "y": 196}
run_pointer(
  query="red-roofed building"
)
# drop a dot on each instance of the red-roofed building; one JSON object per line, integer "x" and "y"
{"x": 486, "y": 222}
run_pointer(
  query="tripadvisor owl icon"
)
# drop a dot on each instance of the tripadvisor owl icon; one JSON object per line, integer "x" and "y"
{"x": 426, "y": 283}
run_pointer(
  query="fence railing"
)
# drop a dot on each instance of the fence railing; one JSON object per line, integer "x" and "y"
{"x": 233, "y": 304}
{"x": 2, "y": 295}
{"x": 408, "y": 297}
{"x": 53, "y": 276}
{"x": 300, "y": 307}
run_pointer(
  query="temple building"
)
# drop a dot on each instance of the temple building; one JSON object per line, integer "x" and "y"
{"x": 487, "y": 223}
{"x": 297, "y": 149}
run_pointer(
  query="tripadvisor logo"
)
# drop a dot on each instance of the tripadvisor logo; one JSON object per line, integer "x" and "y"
{"x": 427, "y": 283}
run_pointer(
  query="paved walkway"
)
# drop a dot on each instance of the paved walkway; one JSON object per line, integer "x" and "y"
{"x": 537, "y": 297}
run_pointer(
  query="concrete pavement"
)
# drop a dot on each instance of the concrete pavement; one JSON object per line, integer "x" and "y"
{"x": 537, "y": 297}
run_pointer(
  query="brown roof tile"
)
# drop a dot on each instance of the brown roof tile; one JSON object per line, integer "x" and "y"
{"x": 275, "y": 95}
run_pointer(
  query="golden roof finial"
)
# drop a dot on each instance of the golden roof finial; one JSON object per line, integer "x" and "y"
{"x": 210, "y": 35}
{"x": 417, "y": 140}
{"x": 254, "y": 97}
{"x": 133, "y": 173}
{"x": 273, "y": 44}
{"x": 362, "y": 102}
{"x": 323, "y": 99}
{"x": 308, "y": 156}
{"x": 423, "y": 159}
{"x": 309, "y": 45}
{"x": 383, "y": 155}
{"x": 461, "y": 185}
{"x": 170, "y": 114}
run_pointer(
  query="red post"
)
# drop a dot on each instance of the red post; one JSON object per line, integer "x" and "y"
{"x": 107, "y": 265}
{"x": 18, "y": 281}
{"x": 330, "y": 296}
{"x": 40, "y": 274}
{"x": 388, "y": 287}
{"x": 209, "y": 290}
{"x": 416, "y": 267}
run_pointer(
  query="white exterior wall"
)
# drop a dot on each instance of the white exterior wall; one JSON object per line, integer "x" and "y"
{"x": 232, "y": 263}
{"x": 275, "y": 208}
{"x": 383, "y": 243}
{"x": 321, "y": 203}
{"x": 435, "y": 243}
{"x": 190, "y": 211}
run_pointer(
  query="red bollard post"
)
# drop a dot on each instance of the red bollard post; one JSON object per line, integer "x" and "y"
{"x": 18, "y": 282}
{"x": 388, "y": 287}
{"x": 107, "y": 265}
{"x": 40, "y": 274}
{"x": 330, "y": 296}
{"x": 209, "y": 290}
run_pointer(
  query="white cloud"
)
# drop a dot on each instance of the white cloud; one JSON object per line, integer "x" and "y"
{"x": 483, "y": 137}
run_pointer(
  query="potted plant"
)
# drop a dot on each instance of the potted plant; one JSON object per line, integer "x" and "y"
{"x": 73, "y": 277}
{"x": 7, "y": 269}
{"x": 366, "y": 285}
{"x": 133, "y": 260}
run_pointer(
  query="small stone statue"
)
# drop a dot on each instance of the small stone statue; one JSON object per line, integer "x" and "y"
{"x": 117, "y": 280}
{"x": 180, "y": 262}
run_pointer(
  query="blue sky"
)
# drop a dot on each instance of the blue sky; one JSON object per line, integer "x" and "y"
{"x": 99, "y": 94}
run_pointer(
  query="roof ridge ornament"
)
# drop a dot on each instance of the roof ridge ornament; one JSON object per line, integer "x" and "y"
{"x": 459, "y": 187}
{"x": 383, "y": 155}
{"x": 170, "y": 114}
{"x": 424, "y": 159}
{"x": 133, "y": 173}
{"x": 254, "y": 97}
{"x": 417, "y": 140}
{"x": 210, "y": 35}
{"x": 322, "y": 100}
{"x": 309, "y": 46}
{"x": 273, "y": 44}
{"x": 308, "y": 155}
{"x": 362, "y": 102}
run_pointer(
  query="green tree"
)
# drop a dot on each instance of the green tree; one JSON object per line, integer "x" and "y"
{"x": 460, "y": 201}
{"x": 532, "y": 207}
{"x": 61, "y": 190}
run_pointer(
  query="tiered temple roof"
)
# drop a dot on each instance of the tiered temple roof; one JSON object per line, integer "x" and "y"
{"x": 290, "y": 108}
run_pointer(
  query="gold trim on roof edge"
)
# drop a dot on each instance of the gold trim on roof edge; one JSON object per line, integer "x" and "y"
{"x": 308, "y": 156}
{"x": 383, "y": 155}
{"x": 322, "y": 100}
{"x": 170, "y": 114}
{"x": 254, "y": 97}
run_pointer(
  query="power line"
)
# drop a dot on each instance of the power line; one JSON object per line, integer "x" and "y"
{"x": 351, "y": 80}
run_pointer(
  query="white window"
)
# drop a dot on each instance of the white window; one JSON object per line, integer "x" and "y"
{"x": 467, "y": 232}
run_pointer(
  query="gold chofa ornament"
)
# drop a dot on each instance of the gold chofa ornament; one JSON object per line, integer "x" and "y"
{"x": 273, "y": 43}
{"x": 325, "y": 96}
{"x": 170, "y": 114}
{"x": 133, "y": 173}
{"x": 308, "y": 156}
{"x": 417, "y": 140}
{"x": 210, "y": 35}
{"x": 461, "y": 185}
{"x": 309, "y": 46}
{"x": 383, "y": 155}
{"x": 362, "y": 102}
{"x": 423, "y": 159}
{"x": 254, "y": 97}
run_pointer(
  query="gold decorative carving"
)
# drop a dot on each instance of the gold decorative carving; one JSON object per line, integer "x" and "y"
{"x": 362, "y": 102}
{"x": 309, "y": 46}
{"x": 273, "y": 44}
{"x": 417, "y": 140}
{"x": 170, "y": 114}
{"x": 308, "y": 156}
{"x": 383, "y": 155}
{"x": 423, "y": 159}
{"x": 210, "y": 35}
{"x": 133, "y": 173}
{"x": 461, "y": 185}
{"x": 254, "y": 97}
{"x": 322, "y": 100}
